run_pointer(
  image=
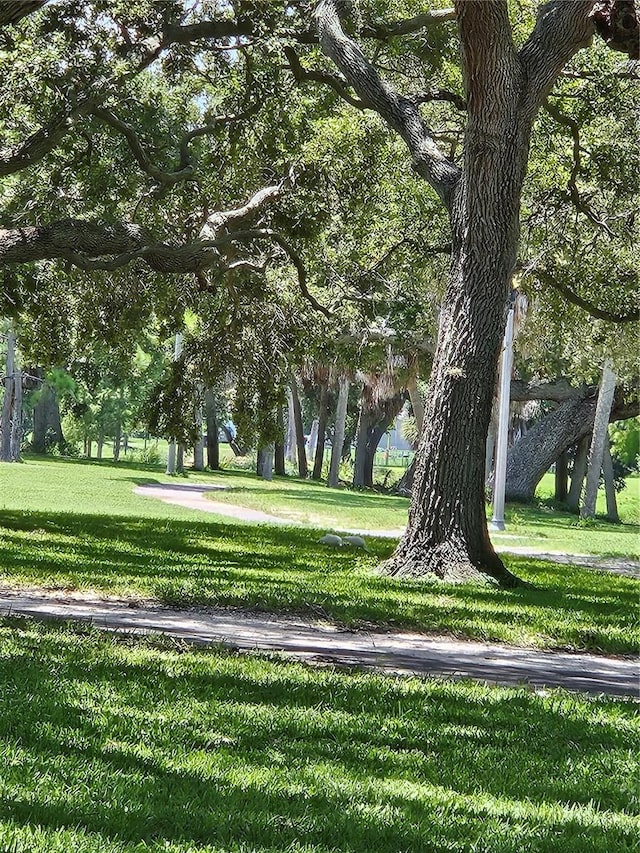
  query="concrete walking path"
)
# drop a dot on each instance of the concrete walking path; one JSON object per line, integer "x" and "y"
{"x": 320, "y": 642}
{"x": 193, "y": 496}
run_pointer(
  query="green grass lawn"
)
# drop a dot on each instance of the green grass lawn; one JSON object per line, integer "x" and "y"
{"x": 79, "y": 525}
{"x": 113, "y": 745}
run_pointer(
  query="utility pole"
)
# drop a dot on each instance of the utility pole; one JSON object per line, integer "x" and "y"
{"x": 171, "y": 452}
{"x": 497, "y": 522}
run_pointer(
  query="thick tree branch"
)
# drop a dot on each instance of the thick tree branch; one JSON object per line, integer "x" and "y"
{"x": 338, "y": 85}
{"x": 408, "y": 25}
{"x": 572, "y": 185}
{"x": 400, "y": 113}
{"x": 558, "y": 391}
{"x": 17, "y": 157}
{"x": 222, "y": 219}
{"x": 588, "y": 306}
{"x": 166, "y": 179}
{"x": 12, "y": 11}
{"x": 562, "y": 29}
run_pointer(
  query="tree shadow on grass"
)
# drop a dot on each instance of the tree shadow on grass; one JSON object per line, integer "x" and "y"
{"x": 277, "y": 569}
{"x": 142, "y": 745}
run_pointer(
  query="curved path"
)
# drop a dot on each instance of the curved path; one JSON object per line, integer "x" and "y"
{"x": 193, "y": 496}
{"x": 319, "y": 642}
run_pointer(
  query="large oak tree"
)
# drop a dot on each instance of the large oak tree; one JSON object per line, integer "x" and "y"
{"x": 506, "y": 80}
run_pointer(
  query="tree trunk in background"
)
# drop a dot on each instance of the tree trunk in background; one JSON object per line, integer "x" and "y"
{"x": 16, "y": 421}
{"x": 180, "y": 459}
{"x": 171, "y": 457}
{"x": 265, "y": 462}
{"x": 365, "y": 424}
{"x": 561, "y": 477}
{"x": 598, "y": 439}
{"x": 117, "y": 440}
{"x": 578, "y": 473}
{"x": 323, "y": 414}
{"x": 99, "y": 444}
{"x": 213, "y": 445}
{"x": 278, "y": 462}
{"x": 338, "y": 434}
{"x": 491, "y": 445}
{"x": 198, "y": 448}
{"x": 533, "y": 455}
{"x": 46, "y": 416}
{"x": 416, "y": 401}
{"x": 609, "y": 484}
{"x": 8, "y": 405}
{"x": 290, "y": 451}
{"x": 299, "y": 428}
{"x": 405, "y": 483}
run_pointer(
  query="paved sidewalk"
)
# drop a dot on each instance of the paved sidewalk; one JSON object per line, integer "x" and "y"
{"x": 319, "y": 642}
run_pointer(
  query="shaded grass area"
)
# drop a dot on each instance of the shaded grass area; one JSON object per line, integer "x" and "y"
{"x": 135, "y": 746}
{"x": 277, "y": 569}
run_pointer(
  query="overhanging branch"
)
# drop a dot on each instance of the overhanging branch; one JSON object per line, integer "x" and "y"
{"x": 400, "y": 113}
{"x": 588, "y": 306}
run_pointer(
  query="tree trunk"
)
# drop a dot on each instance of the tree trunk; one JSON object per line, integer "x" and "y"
{"x": 416, "y": 401}
{"x": 16, "y": 421}
{"x": 447, "y": 532}
{"x": 198, "y": 448}
{"x": 598, "y": 439}
{"x": 338, "y": 434}
{"x": 8, "y": 405}
{"x": 365, "y": 424}
{"x": 578, "y": 473}
{"x": 491, "y": 445}
{"x": 405, "y": 483}
{"x": 213, "y": 445}
{"x": 100, "y": 445}
{"x": 171, "y": 458}
{"x": 291, "y": 431}
{"x": 561, "y": 477}
{"x": 265, "y": 462}
{"x": 46, "y": 416}
{"x": 609, "y": 484}
{"x": 117, "y": 440}
{"x": 297, "y": 414}
{"x": 323, "y": 413}
{"x": 536, "y": 452}
{"x": 278, "y": 463}
{"x": 180, "y": 459}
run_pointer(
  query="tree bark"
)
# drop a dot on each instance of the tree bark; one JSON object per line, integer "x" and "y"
{"x": 46, "y": 416}
{"x": 365, "y": 424}
{"x": 16, "y": 421}
{"x": 323, "y": 413}
{"x": 278, "y": 464}
{"x": 290, "y": 451}
{"x": 447, "y": 531}
{"x": 265, "y": 462}
{"x": 561, "y": 477}
{"x": 578, "y": 473}
{"x": 598, "y": 439}
{"x": 339, "y": 431}
{"x": 198, "y": 449}
{"x": 213, "y": 446}
{"x": 8, "y": 405}
{"x": 297, "y": 414}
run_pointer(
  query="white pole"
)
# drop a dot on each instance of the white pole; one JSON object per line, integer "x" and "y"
{"x": 171, "y": 450}
{"x": 497, "y": 522}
